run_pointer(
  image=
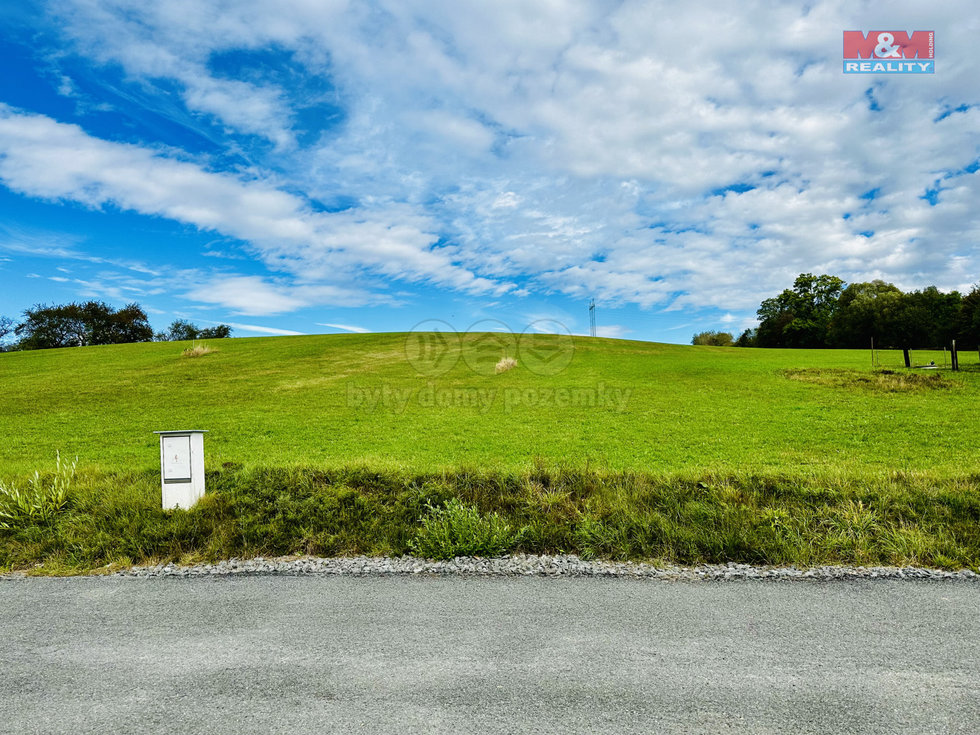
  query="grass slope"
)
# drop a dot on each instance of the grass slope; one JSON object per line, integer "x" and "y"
{"x": 355, "y": 399}
{"x": 336, "y": 445}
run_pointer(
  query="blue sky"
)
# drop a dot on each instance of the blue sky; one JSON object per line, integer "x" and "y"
{"x": 311, "y": 167}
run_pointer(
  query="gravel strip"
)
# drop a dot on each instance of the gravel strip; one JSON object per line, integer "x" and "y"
{"x": 525, "y": 565}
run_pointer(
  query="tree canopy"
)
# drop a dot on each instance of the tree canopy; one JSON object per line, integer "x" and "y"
{"x": 81, "y": 324}
{"x": 716, "y": 339}
{"x": 93, "y": 323}
{"x": 800, "y": 316}
{"x": 7, "y": 326}
{"x": 181, "y": 329}
{"x": 818, "y": 311}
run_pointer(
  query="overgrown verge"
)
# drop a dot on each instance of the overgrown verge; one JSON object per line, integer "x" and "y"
{"x": 893, "y": 519}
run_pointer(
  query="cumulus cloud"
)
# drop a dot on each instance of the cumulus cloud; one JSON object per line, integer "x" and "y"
{"x": 650, "y": 153}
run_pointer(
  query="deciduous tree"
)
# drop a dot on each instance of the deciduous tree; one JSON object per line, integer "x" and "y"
{"x": 800, "y": 316}
{"x": 78, "y": 325}
{"x": 181, "y": 329}
{"x": 716, "y": 339}
{"x": 866, "y": 311}
{"x": 6, "y": 328}
{"x": 968, "y": 320}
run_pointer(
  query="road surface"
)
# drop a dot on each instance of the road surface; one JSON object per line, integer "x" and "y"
{"x": 499, "y": 655}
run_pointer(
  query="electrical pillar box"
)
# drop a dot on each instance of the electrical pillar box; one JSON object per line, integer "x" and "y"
{"x": 181, "y": 467}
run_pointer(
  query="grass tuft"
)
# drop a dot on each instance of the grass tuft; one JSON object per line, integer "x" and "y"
{"x": 505, "y": 364}
{"x": 198, "y": 350}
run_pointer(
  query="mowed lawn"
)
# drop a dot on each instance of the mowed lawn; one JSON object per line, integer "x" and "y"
{"x": 341, "y": 400}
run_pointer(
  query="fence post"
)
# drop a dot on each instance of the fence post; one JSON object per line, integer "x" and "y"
{"x": 908, "y": 360}
{"x": 955, "y": 360}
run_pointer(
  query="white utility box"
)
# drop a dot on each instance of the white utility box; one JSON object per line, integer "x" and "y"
{"x": 181, "y": 467}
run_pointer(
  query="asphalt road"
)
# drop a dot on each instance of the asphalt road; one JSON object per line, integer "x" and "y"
{"x": 406, "y": 655}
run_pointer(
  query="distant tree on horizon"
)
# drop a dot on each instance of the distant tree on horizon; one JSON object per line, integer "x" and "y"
{"x": 968, "y": 320}
{"x": 819, "y": 312}
{"x": 81, "y": 325}
{"x": 181, "y": 330}
{"x": 715, "y": 339}
{"x": 867, "y": 311}
{"x": 7, "y": 326}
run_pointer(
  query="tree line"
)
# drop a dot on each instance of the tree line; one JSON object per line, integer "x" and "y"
{"x": 93, "y": 323}
{"x": 820, "y": 311}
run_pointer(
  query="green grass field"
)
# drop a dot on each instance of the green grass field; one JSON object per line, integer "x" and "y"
{"x": 776, "y": 441}
{"x": 356, "y": 399}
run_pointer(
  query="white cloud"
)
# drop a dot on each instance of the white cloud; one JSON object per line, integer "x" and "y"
{"x": 256, "y": 296}
{"x": 247, "y": 295}
{"x": 613, "y": 331}
{"x": 506, "y": 200}
{"x": 346, "y": 327}
{"x": 263, "y": 330}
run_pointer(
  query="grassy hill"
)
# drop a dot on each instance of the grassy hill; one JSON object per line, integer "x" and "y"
{"x": 357, "y": 399}
{"x": 363, "y": 444}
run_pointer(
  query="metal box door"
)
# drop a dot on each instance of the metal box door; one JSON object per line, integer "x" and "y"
{"x": 176, "y": 459}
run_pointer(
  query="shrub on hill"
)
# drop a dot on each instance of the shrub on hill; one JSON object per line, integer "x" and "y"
{"x": 715, "y": 339}
{"x": 181, "y": 330}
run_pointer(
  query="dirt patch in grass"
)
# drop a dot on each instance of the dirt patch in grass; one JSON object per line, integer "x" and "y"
{"x": 884, "y": 381}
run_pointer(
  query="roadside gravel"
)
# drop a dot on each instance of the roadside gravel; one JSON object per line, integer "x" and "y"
{"x": 524, "y": 565}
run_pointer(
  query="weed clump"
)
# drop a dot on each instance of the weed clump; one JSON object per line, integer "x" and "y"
{"x": 456, "y": 529}
{"x": 197, "y": 350}
{"x": 43, "y": 499}
{"x": 885, "y": 381}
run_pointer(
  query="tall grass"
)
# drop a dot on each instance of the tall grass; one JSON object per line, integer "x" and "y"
{"x": 891, "y": 518}
{"x": 458, "y": 529}
{"x": 45, "y": 496}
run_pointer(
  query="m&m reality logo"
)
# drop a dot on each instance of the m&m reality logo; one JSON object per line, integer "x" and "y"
{"x": 889, "y": 52}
